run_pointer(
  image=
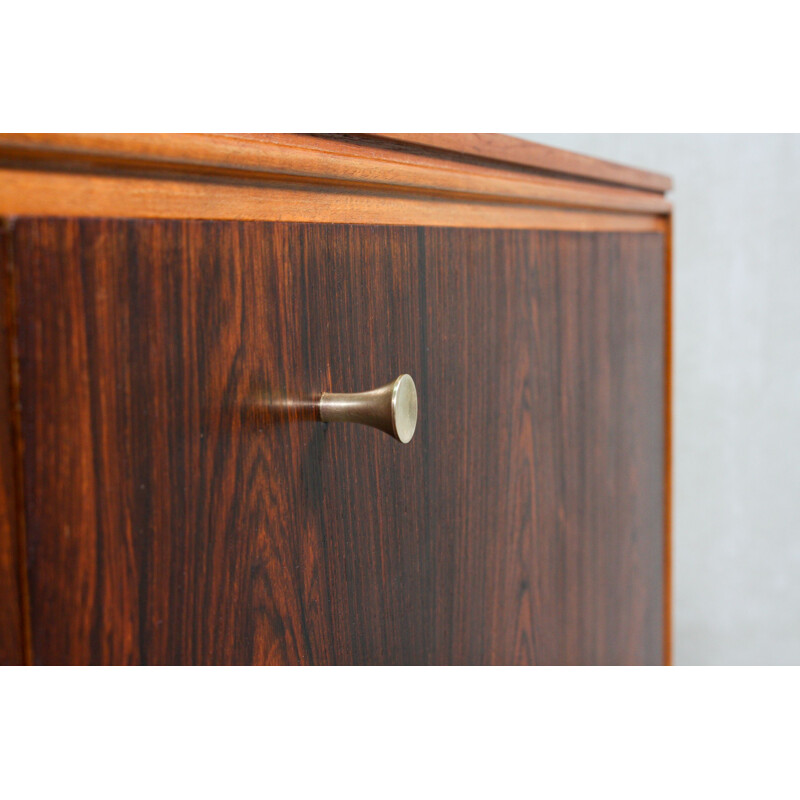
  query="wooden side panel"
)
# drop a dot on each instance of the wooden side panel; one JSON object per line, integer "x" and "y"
{"x": 12, "y": 650}
{"x": 174, "y": 518}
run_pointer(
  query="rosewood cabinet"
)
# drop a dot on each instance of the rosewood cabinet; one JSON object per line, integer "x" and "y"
{"x": 175, "y": 306}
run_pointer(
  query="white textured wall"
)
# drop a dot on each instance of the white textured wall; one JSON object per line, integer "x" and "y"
{"x": 736, "y": 383}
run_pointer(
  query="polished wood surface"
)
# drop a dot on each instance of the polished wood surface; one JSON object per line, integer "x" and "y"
{"x": 24, "y": 193}
{"x": 282, "y": 177}
{"x": 175, "y": 515}
{"x": 12, "y": 625}
{"x": 563, "y": 177}
{"x": 520, "y": 152}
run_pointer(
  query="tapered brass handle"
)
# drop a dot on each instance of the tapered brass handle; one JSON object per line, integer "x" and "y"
{"x": 391, "y": 409}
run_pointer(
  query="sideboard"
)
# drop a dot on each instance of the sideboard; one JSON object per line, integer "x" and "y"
{"x": 190, "y": 473}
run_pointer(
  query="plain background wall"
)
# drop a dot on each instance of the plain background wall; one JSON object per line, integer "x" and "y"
{"x": 737, "y": 386}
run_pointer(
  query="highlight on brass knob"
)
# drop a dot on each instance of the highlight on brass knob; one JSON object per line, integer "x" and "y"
{"x": 391, "y": 409}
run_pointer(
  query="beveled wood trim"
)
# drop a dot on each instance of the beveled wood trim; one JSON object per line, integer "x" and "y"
{"x": 42, "y": 193}
{"x": 311, "y": 163}
{"x": 510, "y": 149}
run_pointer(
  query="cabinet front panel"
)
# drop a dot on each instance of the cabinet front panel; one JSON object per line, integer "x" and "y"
{"x": 180, "y": 507}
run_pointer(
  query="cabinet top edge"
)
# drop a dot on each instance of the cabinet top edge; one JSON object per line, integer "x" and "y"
{"x": 197, "y": 153}
{"x": 490, "y": 180}
{"x": 524, "y": 153}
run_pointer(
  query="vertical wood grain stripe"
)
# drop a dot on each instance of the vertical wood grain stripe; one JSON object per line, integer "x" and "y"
{"x": 12, "y": 572}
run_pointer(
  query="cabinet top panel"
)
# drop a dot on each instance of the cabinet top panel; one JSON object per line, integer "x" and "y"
{"x": 460, "y": 180}
{"x": 522, "y": 153}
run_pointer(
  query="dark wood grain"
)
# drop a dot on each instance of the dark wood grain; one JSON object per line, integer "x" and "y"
{"x": 12, "y": 647}
{"x": 173, "y": 517}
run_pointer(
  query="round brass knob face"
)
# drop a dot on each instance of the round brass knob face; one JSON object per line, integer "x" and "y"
{"x": 404, "y": 408}
{"x": 391, "y": 408}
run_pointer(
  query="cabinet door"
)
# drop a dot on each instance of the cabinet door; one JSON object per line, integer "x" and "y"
{"x": 172, "y": 516}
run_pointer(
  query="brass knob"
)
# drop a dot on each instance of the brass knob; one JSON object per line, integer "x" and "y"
{"x": 391, "y": 409}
